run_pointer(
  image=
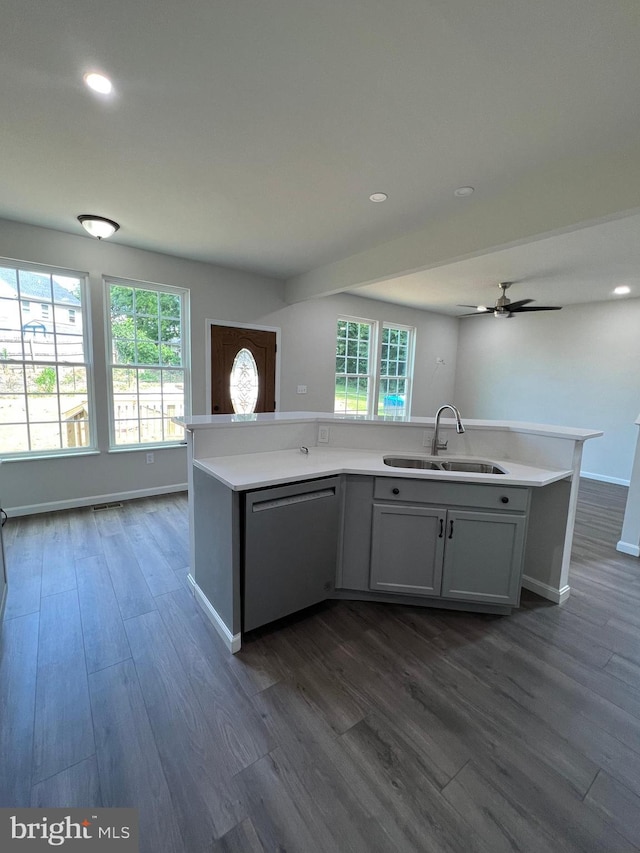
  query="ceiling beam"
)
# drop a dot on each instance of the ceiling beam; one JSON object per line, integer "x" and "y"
{"x": 570, "y": 195}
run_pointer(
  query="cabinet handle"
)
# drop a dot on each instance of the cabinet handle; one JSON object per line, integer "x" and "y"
{"x": 451, "y": 529}
{"x": 504, "y": 499}
{"x": 396, "y": 491}
{"x": 441, "y": 534}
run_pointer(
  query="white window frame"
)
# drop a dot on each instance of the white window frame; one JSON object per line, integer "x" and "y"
{"x": 87, "y": 344}
{"x": 184, "y": 295}
{"x": 408, "y": 379}
{"x": 375, "y": 363}
{"x": 373, "y": 358}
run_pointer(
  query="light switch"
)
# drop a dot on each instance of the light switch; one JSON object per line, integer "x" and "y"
{"x": 302, "y": 389}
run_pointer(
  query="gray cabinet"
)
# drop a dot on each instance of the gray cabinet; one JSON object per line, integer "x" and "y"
{"x": 407, "y": 549}
{"x": 470, "y": 549}
{"x": 483, "y": 556}
{"x": 290, "y": 548}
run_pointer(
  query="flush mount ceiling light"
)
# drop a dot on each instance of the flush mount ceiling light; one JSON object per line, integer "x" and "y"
{"x": 98, "y": 82}
{"x": 98, "y": 226}
{"x": 622, "y": 290}
{"x": 463, "y": 192}
{"x": 378, "y": 197}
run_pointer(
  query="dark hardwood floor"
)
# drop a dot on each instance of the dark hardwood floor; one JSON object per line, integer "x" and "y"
{"x": 353, "y": 727}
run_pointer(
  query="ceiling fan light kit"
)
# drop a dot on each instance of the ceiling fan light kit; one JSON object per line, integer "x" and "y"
{"x": 505, "y": 308}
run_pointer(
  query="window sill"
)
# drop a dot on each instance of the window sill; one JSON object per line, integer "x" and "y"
{"x": 34, "y": 458}
{"x": 147, "y": 448}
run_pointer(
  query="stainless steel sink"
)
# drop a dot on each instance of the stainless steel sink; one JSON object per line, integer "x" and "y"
{"x": 462, "y": 465}
{"x": 408, "y": 462}
{"x": 471, "y": 467}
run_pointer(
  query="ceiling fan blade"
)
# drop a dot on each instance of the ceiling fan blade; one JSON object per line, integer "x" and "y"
{"x": 488, "y": 313}
{"x": 537, "y": 308}
{"x": 466, "y": 306}
{"x": 516, "y": 305}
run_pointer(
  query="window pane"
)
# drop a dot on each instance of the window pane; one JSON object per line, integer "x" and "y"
{"x": 45, "y": 436}
{"x": 11, "y": 378}
{"x": 14, "y": 408}
{"x": 14, "y": 438}
{"x": 127, "y": 432}
{"x": 170, "y": 306}
{"x": 75, "y": 433}
{"x": 73, "y": 380}
{"x": 125, "y": 380}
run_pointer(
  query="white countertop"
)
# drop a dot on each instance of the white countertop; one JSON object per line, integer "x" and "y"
{"x": 199, "y": 422}
{"x": 256, "y": 470}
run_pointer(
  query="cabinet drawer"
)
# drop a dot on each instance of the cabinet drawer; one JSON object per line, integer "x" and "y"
{"x": 512, "y": 498}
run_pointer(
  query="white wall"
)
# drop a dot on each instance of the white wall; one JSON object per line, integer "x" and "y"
{"x": 579, "y": 367}
{"x": 309, "y": 341}
{"x": 215, "y": 292}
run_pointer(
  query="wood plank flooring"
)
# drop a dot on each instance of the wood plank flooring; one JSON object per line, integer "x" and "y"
{"x": 351, "y": 727}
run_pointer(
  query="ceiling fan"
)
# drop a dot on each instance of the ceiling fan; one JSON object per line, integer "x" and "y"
{"x": 504, "y": 307}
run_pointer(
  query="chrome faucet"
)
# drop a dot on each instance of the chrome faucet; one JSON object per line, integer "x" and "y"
{"x": 442, "y": 445}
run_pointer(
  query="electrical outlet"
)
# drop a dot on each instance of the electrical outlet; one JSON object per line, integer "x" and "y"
{"x": 440, "y": 360}
{"x": 150, "y": 458}
{"x": 302, "y": 389}
{"x": 427, "y": 438}
{"x": 323, "y": 435}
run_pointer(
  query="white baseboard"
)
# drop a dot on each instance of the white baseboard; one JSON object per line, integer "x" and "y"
{"x": 604, "y": 479}
{"x": 546, "y": 591}
{"x": 72, "y": 503}
{"x": 232, "y": 641}
{"x": 628, "y": 548}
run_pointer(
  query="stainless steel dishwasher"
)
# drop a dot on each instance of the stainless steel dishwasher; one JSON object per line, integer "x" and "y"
{"x": 290, "y": 548}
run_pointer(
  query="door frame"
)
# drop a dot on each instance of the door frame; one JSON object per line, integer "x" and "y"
{"x": 254, "y": 326}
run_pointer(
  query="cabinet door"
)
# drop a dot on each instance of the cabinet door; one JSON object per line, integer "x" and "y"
{"x": 483, "y": 556}
{"x": 406, "y": 549}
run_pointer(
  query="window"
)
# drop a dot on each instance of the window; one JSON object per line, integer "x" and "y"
{"x": 366, "y": 372}
{"x": 355, "y": 348}
{"x": 396, "y": 363}
{"x": 45, "y": 393}
{"x": 148, "y": 362}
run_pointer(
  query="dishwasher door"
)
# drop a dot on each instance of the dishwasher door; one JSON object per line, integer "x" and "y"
{"x": 290, "y": 548}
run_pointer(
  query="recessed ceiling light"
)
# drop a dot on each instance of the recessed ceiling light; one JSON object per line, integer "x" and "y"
{"x": 378, "y": 197}
{"x": 463, "y": 192}
{"x": 622, "y": 290}
{"x": 98, "y": 82}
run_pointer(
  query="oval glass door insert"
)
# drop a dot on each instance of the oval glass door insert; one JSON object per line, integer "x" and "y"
{"x": 244, "y": 383}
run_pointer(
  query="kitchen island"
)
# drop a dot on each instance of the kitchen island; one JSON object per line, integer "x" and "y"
{"x": 288, "y": 509}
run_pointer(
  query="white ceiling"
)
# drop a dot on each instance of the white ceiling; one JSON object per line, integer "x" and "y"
{"x": 580, "y": 266}
{"x": 251, "y": 133}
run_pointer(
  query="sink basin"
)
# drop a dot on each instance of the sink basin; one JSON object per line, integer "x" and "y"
{"x": 463, "y": 465}
{"x": 471, "y": 467}
{"x": 409, "y": 462}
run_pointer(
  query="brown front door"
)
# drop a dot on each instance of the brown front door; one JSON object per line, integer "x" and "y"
{"x": 243, "y": 370}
